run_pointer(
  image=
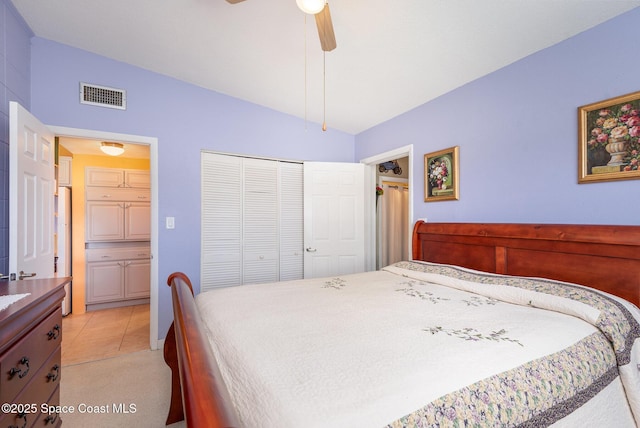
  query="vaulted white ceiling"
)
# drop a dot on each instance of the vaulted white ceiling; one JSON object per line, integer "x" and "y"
{"x": 392, "y": 55}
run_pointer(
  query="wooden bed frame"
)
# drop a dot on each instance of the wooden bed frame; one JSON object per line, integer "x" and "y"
{"x": 603, "y": 257}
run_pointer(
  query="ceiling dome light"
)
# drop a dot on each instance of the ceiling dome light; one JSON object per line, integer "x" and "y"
{"x": 112, "y": 149}
{"x": 311, "y": 6}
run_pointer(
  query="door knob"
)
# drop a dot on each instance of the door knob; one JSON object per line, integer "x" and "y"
{"x": 311, "y": 250}
{"x": 24, "y": 275}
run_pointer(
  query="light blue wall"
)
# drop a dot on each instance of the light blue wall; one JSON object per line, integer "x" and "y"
{"x": 15, "y": 69}
{"x": 185, "y": 119}
{"x": 518, "y": 134}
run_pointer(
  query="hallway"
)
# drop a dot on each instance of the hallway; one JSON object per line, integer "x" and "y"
{"x": 103, "y": 334}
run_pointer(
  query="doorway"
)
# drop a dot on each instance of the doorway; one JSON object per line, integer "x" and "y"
{"x": 392, "y": 225}
{"x": 371, "y": 220}
{"x": 149, "y": 145}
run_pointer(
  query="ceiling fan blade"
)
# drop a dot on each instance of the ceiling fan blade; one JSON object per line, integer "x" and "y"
{"x": 234, "y": 1}
{"x": 325, "y": 29}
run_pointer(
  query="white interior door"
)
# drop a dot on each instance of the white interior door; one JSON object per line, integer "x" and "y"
{"x": 333, "y": 219}
{"x": 31, "y": 193}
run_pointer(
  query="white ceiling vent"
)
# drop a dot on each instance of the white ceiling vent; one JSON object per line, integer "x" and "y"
{"x": 103, "y": 96}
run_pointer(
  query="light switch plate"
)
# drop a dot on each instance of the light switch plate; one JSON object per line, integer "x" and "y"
{"x": 171, "y": 222}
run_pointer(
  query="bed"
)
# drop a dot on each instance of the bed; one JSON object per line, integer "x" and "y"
{"x": 488, "y": 325}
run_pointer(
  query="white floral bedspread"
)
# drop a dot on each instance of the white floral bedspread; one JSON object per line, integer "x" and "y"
{"x": 420, "y": 344}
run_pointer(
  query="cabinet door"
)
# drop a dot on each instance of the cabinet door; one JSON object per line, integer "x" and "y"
{"x": 105, "y": 281}
{"x": 137, "y": 178}
{"x": 105, "y": 221}
{"x": 64, "y": 171}
{"x": 137, "y": 221}
{"x": 137, "y": 279}
{"x": 105, "y": 177}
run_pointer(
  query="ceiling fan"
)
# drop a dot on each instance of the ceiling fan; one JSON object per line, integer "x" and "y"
{"x": 320, "y": 9}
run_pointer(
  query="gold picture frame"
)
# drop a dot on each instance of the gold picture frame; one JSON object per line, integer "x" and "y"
{"x": 442, "y": 175}
{"x": 608, "y": 139}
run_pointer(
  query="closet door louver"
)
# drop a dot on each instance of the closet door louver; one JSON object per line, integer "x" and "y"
{"x": 221, "y": 234}
{"x": 291, "y": 221}
{"x": 261, "y": 221}
{"x": 252, "y": 221}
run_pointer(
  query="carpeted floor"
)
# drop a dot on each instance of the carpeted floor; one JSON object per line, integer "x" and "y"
{"x": 127, "y": 390}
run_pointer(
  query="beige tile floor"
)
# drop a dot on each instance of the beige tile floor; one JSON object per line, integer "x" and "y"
{"x": 103, "y": 334}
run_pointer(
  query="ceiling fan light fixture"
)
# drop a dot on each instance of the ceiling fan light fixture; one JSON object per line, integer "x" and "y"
{"x": 311, "y": 6}
{"x": 112, "y": 149}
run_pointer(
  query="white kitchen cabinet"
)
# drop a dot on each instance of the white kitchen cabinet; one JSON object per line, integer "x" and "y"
{"x": 64, "y": 171}
{"x": 116, "y": 213}
{"x": 117, "y": 277}
{"x": 117, "y": 221}
{"x": 137, "y": 221}
{"x": 117, "y": 194}
{"x": 105, "y": 221}
{"x": 117, "y": 177}
{"x": 137, "y": 279}
{"x": 137, "y": 178}
{"x": 104, "y": 282}
{"x": 117, "y": 231}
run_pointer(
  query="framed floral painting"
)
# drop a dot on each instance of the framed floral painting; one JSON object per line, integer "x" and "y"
{"x": 608, "y": 142}
{"x": 441, "y": 175}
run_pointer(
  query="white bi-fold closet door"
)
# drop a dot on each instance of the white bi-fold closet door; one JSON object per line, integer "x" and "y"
{"x": 252, "y": 220}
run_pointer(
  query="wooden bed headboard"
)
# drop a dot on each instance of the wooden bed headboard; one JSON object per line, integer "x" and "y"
{"x": 603, "y": 257}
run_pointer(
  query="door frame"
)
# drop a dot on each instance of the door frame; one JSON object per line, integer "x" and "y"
{"x": 370, "y": 182}
{"x": 152, "y": 142}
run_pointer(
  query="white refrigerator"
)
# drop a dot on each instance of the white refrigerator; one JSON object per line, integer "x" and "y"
{"x": 63, "y": 264}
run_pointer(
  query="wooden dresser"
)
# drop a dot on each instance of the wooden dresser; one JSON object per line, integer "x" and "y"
{"x": 30, "y": 367}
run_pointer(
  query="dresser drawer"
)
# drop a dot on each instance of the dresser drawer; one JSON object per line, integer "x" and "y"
{"x": 50, "y": 420}
{"x": 42, "y": 389}
{"x": 121, "y": 253}
{"x": 113, "y": 194}
{"x": 23, "y": 360}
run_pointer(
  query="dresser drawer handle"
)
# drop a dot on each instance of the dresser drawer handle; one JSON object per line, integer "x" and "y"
{"x": 16, "y": 371}
{"x": 54, "y": 374}
{"x": 54, "y": 332}
{"x": 20, "y": 416}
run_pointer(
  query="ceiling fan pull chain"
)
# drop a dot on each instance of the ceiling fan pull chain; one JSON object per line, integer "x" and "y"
{"x": 305, "y": 71}
{"x": 324, "y": 91}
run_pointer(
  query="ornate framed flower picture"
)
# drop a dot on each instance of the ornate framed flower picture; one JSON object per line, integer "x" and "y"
{"x": 608, "y": 139}
{"x": 441, "y": 175}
